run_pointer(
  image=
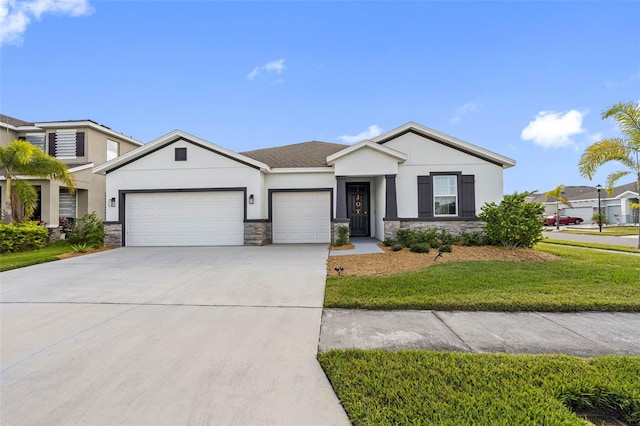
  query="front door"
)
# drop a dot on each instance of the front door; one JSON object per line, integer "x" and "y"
{"x": 358, "y": 209}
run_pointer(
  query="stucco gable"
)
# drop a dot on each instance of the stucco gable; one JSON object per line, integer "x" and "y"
{"x": 170, "y": 139}
{"x": 445, "y": 140}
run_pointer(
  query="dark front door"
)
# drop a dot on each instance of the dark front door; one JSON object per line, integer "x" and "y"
{"x": 358, "y": 209}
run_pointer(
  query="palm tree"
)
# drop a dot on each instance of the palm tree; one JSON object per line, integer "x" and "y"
{"x": 557, "y": 194}
{"x": 20, "y": 158}
{"x": 625, "y": 149}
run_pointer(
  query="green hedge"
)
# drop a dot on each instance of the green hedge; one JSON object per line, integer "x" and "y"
{"x": 17, "y": 237}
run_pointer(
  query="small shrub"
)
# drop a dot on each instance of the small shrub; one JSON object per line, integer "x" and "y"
{"x": 17, "y": 237}
{"x": 343, "y": 236}
{"x": 472, "y": 238}
{"x": 87, "y": 230}
{"x": 406, "y": 237}
{"x": 446, "y": 237}
{"x": 420, "y": 248}
{"x": 446, "y": 248}
{"x": 397, "y": 247}
{"x": 389, "y": 242}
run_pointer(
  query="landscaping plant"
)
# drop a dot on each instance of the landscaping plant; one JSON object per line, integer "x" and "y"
{"x": 87, "y": 230}
{"x": 514, "y": 222}
{"x": 18, "y": 237}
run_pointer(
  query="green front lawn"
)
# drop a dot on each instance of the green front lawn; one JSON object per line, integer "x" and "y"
{"x": 599, "y": 246}
{"x": 584, "y": 280}
{"x": 18, "y": 260}
{"x": 606, "y": 230}
{"x": 431, "y": 388}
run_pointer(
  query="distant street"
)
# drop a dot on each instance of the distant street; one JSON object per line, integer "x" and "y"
{"x": 630, "y": 241}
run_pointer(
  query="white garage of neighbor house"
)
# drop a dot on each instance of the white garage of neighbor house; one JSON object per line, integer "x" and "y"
{"x": 180, "y": 190}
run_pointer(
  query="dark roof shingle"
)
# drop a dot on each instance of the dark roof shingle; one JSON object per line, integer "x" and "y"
{"x": 305, "y": 154}
{"x": 14, "y": 121}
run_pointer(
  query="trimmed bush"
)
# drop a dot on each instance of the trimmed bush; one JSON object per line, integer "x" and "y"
{"x": 397, "y": 247}
{"x": 472, "y": 238}
{"x": 17, "y": 237}
{"x": 446, "y": 248}
{"x": 420, "y": 248}
{"x": 514, "y": 222}
{"x": 389, "y": 242}
{"x": 87, "y": 230}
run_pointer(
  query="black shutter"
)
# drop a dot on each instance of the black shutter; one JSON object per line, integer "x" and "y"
{"x": 425, "y": 196}
{"x": 52, "y": 144}
{"x": 80, "y": 144}
{"x": 467, "y": 196}
{"x": 22, "y": 138}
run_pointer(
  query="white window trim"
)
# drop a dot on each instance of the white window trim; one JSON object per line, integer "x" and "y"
{"x": 455, "y": 195}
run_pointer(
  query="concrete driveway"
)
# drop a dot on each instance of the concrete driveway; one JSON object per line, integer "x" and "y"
{"x": 167, "y": 336}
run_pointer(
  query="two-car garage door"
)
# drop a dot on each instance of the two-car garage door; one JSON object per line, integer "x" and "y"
{"x": 185, "y": 218}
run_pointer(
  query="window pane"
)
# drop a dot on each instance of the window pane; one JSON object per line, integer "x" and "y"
{"x": 66, "y": 143}
{"x": 445, "y": 195}
{"x": 112, "y": 149}
{"x": 36, "y": 139}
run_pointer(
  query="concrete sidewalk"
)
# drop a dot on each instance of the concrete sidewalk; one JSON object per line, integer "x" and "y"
{"x": 629, "y": 241}
{"x": 581, "y": 334}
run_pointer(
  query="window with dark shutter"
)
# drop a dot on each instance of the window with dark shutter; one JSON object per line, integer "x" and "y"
{"x": 455, "y": 196}
{"x": 181, "y": 154}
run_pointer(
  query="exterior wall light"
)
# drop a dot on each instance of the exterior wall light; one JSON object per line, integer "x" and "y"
{"x": 112, "y": 202}
{"x": 251, "y": 199}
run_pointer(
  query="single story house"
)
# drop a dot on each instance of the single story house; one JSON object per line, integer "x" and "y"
{"x": 181, "y": 190}
{"x": 616, "y": 206}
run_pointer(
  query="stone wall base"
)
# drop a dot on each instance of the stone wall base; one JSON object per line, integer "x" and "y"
{"x": 54, "y": 234}
{"x": 452, "y": 227}
{"x": 113, "y": 237}
{"x": 257, "y": 233}
{"x": 335, "y": 226}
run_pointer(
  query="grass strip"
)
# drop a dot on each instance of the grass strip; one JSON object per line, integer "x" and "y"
{"x": 616, "y": 231}
{"x": 431, "y": 388}
{"x": 49, "y": 253}
{"x": 584, "y": 280}
{"x": 598, "y": 246}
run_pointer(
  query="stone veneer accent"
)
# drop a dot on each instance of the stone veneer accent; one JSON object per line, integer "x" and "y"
{"x": 453, "y": 227}
{"x": 113, "y": 237}
{"x": 54, "y": 233}
{"x": 257, "y": 233}
{"x": 335, "y": 225}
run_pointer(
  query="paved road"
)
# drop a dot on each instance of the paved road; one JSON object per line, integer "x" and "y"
{"x": 167, "y": 336}
{"x": 581, "y": 334}
{"x": 631, "y": 241}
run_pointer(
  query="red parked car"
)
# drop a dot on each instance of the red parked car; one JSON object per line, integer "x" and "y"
{"x": 564, "y": 220}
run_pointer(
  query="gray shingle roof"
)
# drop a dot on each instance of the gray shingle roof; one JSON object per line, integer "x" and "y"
{"x": 573, "y": 193}
{"x": 14, "y": 121}
{"x": 305, "y": 154}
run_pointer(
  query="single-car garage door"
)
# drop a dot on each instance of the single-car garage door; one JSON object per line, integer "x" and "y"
{"x": 301, "y": 217}
{"x": 185, "y": 218}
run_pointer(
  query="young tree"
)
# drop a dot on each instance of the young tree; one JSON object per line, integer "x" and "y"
{"x": 20, "y": 158}
{"x": 624, "y": 150}
{"x": 557, "y": 194}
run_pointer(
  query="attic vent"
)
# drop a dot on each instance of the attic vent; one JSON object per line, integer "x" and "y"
{"x": 181, "y": 154}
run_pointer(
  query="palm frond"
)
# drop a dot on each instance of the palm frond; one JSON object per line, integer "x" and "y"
{"x": 24, "y": 199}
{"x": 43, "y": 165}
{"x": 627, "y": 116}
{"x": 613, "y": 178}
{"x": 554, "y": 192}
{"x": 601, "y": 152}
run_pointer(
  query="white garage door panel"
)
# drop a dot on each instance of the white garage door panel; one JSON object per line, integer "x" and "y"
{"x": 185, "y": 219}
{"x": 301, "y": 217}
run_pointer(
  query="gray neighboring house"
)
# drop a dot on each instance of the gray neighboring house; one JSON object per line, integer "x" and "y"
{"x": 81, "y": 145}
{"x": 584, "y": 203}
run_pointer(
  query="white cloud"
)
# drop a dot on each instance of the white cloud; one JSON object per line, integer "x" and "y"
{"x": 463, "y": 110}
{"x": 553, "y": 129}
{"x": 276, "y": 66}
{"x": 15, "y": 15}
{"x": 373, "y": 131}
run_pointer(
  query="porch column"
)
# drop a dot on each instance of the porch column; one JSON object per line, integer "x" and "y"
{"x": 341, "y": 198}
{"x": 391, "y": 202}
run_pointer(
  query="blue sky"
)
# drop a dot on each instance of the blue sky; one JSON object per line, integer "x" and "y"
{"x": 527, "y": 80}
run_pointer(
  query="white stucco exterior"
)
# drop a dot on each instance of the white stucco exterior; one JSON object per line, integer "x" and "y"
{"x": 400, "y": 156}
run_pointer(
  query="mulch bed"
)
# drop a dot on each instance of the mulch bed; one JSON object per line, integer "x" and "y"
{"x": 391, "y": 262}
{"x": 89, "y": 251}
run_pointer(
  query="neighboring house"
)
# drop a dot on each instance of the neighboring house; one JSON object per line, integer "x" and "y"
{"x": 81, "y": 145}
{"x": 584, "y": 203}
{"x": 182, "y": 190}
